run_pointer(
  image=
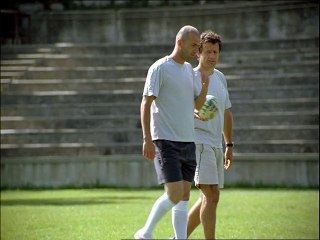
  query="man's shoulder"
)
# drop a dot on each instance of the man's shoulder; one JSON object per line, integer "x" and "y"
{"x": 221, "y": 77}
{"x": 218, "y": 72}
{"x": 159, "y": 62}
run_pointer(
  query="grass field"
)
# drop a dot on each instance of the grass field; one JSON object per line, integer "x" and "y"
{"x": 117, "y": 213}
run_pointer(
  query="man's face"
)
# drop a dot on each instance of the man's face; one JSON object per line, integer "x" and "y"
{"x": 210, "y": 54}
{"x": 190, "y": 47}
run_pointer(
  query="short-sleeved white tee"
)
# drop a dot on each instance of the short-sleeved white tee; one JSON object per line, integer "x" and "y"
{"x": 172, "y": 112}
{"x": 210, "y": 132}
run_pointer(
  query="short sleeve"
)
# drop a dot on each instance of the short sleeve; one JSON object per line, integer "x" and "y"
{"x": 228, "y": 102}
{"x": 197, "y": 83}
{"x": 153, "y": 82}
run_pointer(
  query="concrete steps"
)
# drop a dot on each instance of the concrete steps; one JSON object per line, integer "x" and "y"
{"x": 57, "y": 122}
{"x": 133, "y": 120}
{"x": 70, "y": 111}
{"x": 25, "y": 85}
{"x": 138, "y": 71}
{"x": 63, "y": 60}
{"x": 98, "y": 49}
{"x": 48, "y": 97}
{"x": 85, "y": 99}
{"x": 127, "y": 134}
{"x": 118, "y": 135}
{"x": 69, "y": 149}
{"x": 98, "y": 96}
{"x": 271, "y": 79}
{"x": 55, "y": 59}
{"x": 84, "y": 72}
{"x": 85, "y": 84}
{"x": 76, "y": 149}
{"x": 133, "y": 107}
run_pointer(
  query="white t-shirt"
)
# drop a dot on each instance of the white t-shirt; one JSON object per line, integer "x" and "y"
{"x": 210, "y": 132}
{"x": 175, "y": 89}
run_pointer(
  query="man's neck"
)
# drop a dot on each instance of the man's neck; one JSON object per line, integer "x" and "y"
{"x": 177, "y": 57}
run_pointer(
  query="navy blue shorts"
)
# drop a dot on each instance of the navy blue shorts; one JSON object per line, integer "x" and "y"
{"x": 175, "y": 161}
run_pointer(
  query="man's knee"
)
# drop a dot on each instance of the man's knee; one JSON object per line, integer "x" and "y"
{"x": 211, "y": 194}
{"x": 176, "y": 196}
{"x": 175, "y": 191}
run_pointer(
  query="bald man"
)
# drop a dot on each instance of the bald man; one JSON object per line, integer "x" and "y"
{"x": 167, "y": 116}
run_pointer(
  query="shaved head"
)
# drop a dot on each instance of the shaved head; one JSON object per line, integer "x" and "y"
{"x": 187, "y": 44}
{"x": 185, "y": 31}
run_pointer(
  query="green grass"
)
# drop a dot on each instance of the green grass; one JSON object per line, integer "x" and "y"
{"x": 117, "y": 213}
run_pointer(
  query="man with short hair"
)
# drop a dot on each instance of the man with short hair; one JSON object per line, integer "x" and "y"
{"x": 167, "y": 116}
{"x": 211, "y": 163}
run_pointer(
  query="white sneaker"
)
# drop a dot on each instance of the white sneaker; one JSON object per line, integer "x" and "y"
{"x": 140, "y": 234}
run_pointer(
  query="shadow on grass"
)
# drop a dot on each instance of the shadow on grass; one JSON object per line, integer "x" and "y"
{"x": 71, "y": 201}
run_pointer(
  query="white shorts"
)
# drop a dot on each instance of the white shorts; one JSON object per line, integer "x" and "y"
{"x": 210, "y": 166}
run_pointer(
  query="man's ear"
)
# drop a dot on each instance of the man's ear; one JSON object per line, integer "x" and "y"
{"x": 179, "y": 42}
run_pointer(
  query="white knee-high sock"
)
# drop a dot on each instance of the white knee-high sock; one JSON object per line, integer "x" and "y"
{"x": 180, "y": 219}
{"x": 159, "y": 209}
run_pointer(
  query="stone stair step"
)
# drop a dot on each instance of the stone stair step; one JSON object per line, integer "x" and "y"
{"x": 50, "y": 97}
{"x": 271, "y": 79}
{"x": 278, "y": 146}
{"x": 234, "y": 57}
{"x": 71, "y": 149}
{"x": 5, "y": 84}
{"x": 108, "y": 135}
{"x": 263, "y": 44}
{"x": 129, "y": 107}
{"x": 76, "y": 84}
{"x": 267, "y": 68}
{"x": 17, "y": 62}
{"x": 112, "y": 120}
{"x": 118, "y": 135}
{"x": 47, "y": 97}
{"x": 276, "y": 92}
{"x": 275, "y": 105}
{"x": 78, "y": 121}
{"x": 24, "y": 85}
{"x": 101, "y": 108}
{"x": 84, "y": 72}
{"x": 270, "y": 55}
{"x": 277, "y": 118}
{"x": 139, "y": 157}
{"x": 15, "y": 68}
{"x": 97, "y": 49}
{"x": 140, "y": 71}
{"x": 85, "y": 60}
{"x": 138, "y": 48}
{"x": 83, "y": 149}
{"x": 274, "y": 156}
{"x": 10, "y": 74}
{"x": 278, "y": 132}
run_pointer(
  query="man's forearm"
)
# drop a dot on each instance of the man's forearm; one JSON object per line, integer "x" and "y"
{"x": 145, "y": 119}
{"x": 228, "y": 126}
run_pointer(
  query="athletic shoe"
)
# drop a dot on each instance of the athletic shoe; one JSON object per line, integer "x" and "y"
{"x": 141, "y": 235}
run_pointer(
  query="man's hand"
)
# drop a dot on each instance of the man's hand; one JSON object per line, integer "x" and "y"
{"x": 228, "y": 159}
{"x": 196, "y": 115}
{"x": 200, "y": 100}
{"x": 204, "y": 78}
{"x": 149, "y": 151}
